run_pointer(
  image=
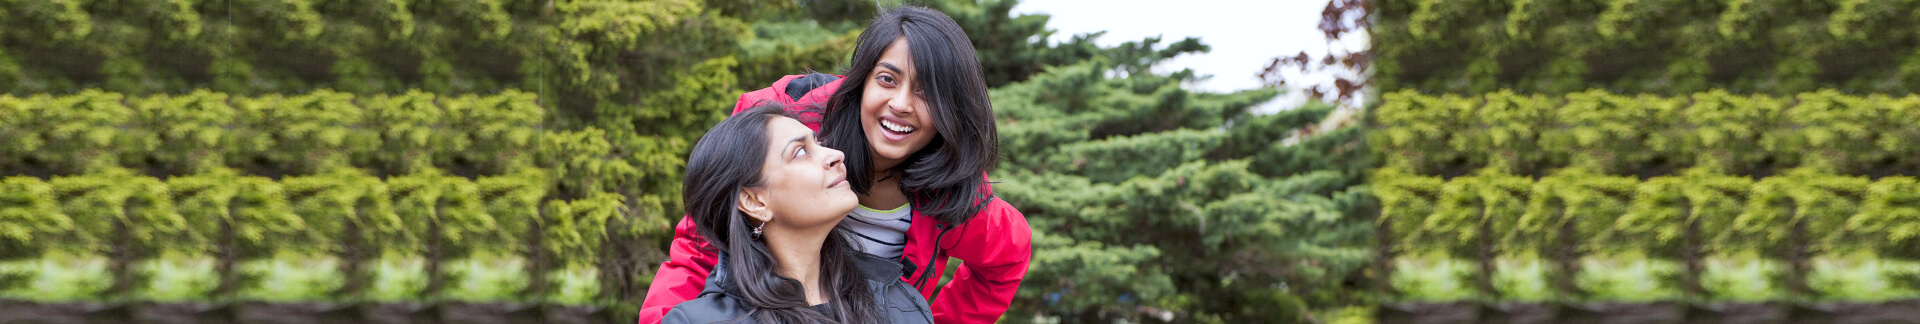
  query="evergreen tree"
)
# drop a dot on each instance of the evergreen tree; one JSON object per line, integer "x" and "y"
{"x": 1144, "y": 194}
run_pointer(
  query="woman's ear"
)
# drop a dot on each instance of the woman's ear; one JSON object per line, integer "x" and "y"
{"x": 753, "y": 201}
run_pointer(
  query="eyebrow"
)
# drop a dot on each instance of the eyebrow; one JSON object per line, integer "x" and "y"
{"x": 789, "y": 144}
{"x": 891, "y": 67}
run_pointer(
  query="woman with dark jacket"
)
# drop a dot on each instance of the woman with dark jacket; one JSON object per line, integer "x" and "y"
{"x": 770, "y": 199}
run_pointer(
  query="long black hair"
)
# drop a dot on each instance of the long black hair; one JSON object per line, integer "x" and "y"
{"x": 727, "y": 160}
{"x": 945, "y": 179}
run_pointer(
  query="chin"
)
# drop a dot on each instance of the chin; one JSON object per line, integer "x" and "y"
{"x": 884, "y": 151}
{"x": 846, "y": 207}
{"x": 893, "y": 157}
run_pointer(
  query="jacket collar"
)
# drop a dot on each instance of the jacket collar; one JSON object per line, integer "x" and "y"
{"x": 871, "y": 267}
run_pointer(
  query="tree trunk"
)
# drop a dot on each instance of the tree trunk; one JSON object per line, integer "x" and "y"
{"x": 352, "y": 258}
{"x": 622, "y": 259}
{"x": 1383, "y": 261}
{"x": 1484, "y": 253}
{"x": 435, "y": 279}
{"x": 1567, "y": 253}
{"x": 1798, "y": 253}
{"x": 1691, "y": 254}
{"x": 537, "y": 260}
{"x": 610, "y": 277}
{"x": 228, "y": 256}
{"x": 120, "y": 259}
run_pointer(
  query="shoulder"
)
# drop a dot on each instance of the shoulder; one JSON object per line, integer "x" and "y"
{"x": 996, "y": 235}
{"x": 708, "y": 308}
{"x": 999, "y": 216}
{"x": 900, "y": 303}
{"x": 994, "y": 206}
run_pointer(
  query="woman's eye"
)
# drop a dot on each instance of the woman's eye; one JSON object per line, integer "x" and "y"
{"x": 801, "y": 152}
{"x": 887, "y": 79}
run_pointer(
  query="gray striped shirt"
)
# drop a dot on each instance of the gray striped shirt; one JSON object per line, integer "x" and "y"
{"x": 881, "y": 233}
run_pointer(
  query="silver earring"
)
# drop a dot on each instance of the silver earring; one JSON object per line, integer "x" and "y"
{"x": 757, "y": 229}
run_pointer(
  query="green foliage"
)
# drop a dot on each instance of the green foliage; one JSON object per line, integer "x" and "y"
{"x": 1648, "y": 135}
{"x": 1606, "y": 132}
{"x": 1405, "y": 202}
{"x": 304, "y": 134}
{"x": 1803, "y": 220}
{"x": 115, "y": 209}
{"x": 30, "y": 219}
{"x": 779, "y": 48}
{"x": 654, "y": 74}
{"x": 68, "y": 134}
{"x": 1731, "y": 133}
{"x": 1803, "y": 200}
{"x": 330, "y": 147}
{"x": 1667, "y": 47}
{"x": 229, "y": 211}
{"x": 183, "y": 134}
{"x": 1853, "y": 135}
{"x": 574, "y": 229}
{"x": 580, "y": 163}
{"x": 1471, "y": 208}
{"x": 445, "y": 211}
{"x": 236, "y": 219}
{"x": 347, "y": 203}
{"x": 1575, "y": 206}
{"x": 351, "y": 213}
{"x": 1571, "y": 212}
{"x": 1890, "y": 217}
{"x": 1664, "y": 209}
{"x": 125, "y": 216}
{"x": 254, "y": 47}
{"x": 1418, "y": 133}
{"x": 1142, "y": 194}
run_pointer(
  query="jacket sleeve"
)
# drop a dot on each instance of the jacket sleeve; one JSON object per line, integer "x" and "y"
{"x": 994, "y": 248}
{"x": 681, "y": 278}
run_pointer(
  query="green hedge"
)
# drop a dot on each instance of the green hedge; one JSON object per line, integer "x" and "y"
{"x": 1647, "y": 135}
{"x": 240, "y": 179}
{"x": 1668, "y": 47}
{"x": 1683, "y": 178}
{"x": 1687, "y": 217}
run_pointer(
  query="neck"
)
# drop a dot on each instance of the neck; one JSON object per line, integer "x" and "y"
{"x": 884, "y": 194}
{"x": 882, "y": 164}
{"x": 798, "y": 256}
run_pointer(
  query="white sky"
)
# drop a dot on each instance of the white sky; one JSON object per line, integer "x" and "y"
{"x": 1245, "y": 34}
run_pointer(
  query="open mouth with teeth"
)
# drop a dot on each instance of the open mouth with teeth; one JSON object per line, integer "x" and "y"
{"x": 896, "y": 128}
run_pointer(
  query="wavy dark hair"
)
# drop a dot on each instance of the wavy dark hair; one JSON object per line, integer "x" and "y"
{"x": 945, "y": 179}
{"x": 727, "y": 160}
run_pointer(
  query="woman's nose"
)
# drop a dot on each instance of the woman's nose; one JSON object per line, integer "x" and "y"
{"x": 902, "y": 101}
{"x": 834, "y": 157}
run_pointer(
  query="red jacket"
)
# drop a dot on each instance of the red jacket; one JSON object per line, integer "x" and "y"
{"x": 994, "y": 247}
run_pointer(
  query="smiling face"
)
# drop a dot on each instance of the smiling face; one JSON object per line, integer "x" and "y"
{"x": 893, "y": 109}
{"x": 804, "y": 183}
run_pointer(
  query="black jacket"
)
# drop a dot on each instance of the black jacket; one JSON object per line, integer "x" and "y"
{"x": 899, "y": 303}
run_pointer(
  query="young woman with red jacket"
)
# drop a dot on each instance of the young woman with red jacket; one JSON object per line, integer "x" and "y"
{"x": 914, "y": 115}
